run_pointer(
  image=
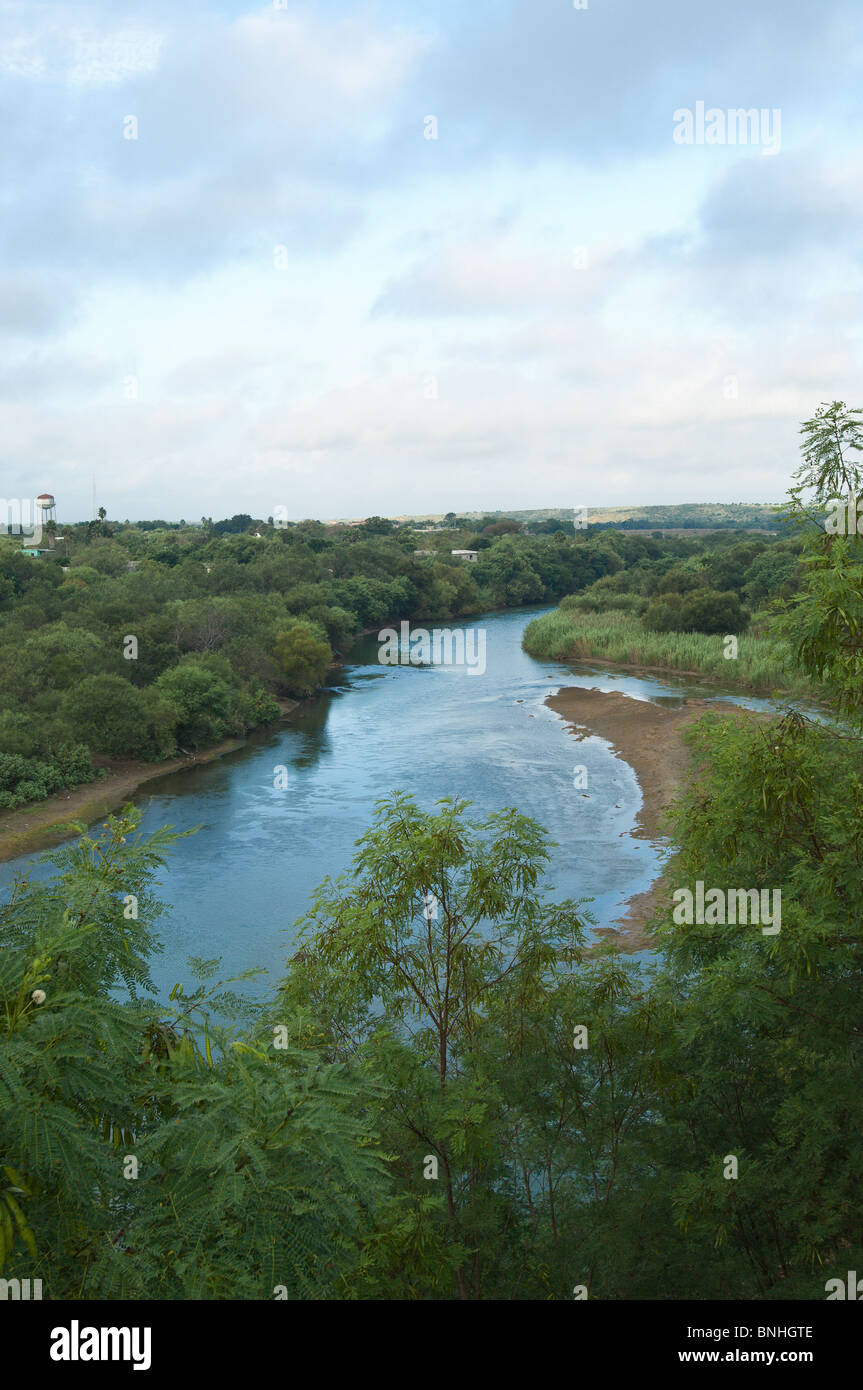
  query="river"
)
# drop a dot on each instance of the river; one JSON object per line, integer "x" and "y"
{"x": 237, "y": 888}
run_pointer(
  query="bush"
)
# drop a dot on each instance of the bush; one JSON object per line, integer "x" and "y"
{"x": 108, "y": 714}
{"x": 708, "y": 610}
{"x": 201, "y": 700}
{"x": 664, "y": 614}
{"x": 256, "y": 706}
{"x": 31, "y": 779}
{"x": 303, "y": 659}
{"x": 74, "y": 763}
{"x": 18, "y": 733}
{"x": 701, "y": 610}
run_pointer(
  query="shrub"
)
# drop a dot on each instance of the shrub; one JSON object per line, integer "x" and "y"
{"x": 31, "y": 779}
{"x": 108, "y": 714}
{"x": 202, "y": 702}
{"x": 256, "y": 706}
{"x": 303, "y": 659}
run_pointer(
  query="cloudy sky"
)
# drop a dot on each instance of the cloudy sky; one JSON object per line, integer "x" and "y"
{"x": 390, "y": 257}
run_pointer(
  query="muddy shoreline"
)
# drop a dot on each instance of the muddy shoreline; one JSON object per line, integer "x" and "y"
{"x": 649, "y": 738}
{"x": 44, "y": 824}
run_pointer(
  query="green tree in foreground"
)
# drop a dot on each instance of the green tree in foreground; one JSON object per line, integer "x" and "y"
{"x": 425, "y": 965}
{"x": 144, "y": 1151}
{"x": 824, "y": 624}
{"x": 448, "y": 1098}
{"x": 766, "y": 1052}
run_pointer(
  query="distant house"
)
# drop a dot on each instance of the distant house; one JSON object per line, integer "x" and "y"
{"x": 425, "y": 552}
{"x": 470, "y": 555}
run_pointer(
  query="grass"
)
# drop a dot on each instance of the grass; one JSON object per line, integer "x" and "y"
{"x": 762, "y": 663}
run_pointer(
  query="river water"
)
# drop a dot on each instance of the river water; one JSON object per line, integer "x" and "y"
{"x": 237, "y": 888}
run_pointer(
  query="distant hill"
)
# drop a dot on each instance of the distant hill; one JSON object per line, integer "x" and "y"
{"x": 761, "y": 516}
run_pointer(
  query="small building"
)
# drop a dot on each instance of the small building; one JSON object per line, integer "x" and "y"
{"x": 470, "y": 555}
{"x": 425, "y": 552}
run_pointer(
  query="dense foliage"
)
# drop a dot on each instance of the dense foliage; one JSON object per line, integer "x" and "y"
{"x": 29, "y": 779}
{"x": 447, "y": 1098}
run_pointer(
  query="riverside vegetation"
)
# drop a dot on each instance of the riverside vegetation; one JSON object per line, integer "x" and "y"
{"x": 446, "y": 1097}
{"x": 152, "y": 639}
{"x": 670, "y": 605}
{"x": 157, "y": 639}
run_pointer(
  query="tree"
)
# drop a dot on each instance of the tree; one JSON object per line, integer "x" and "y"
{"x": 680, "y": 579}
{"x": 103, "y": 555}
{"x": 664, "y": 613}
{"x": 708, "y": 610}
{"x": 108, "y": 714}
{"x": 824, "y": 623}
{"x": 509, "y": 573}
{"x": 828, "y": 471}
{"x": 303, "y": 658}
{"x": 764, "y": 1059}
{"x": 232, "y": 526}
{"x": 201, "y": 701}
{"x": 773, "y": 574}
{"x": 699, "y": 610}
{"x": 404, "y": 962}
{"x": 256, "y": 1168}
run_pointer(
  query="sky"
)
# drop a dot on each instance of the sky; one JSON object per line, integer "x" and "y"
{"x": 351, "y": 259}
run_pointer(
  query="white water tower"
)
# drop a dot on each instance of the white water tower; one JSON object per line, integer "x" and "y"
{"x": 46, "y": 515}
{"x": 46, "y": 508}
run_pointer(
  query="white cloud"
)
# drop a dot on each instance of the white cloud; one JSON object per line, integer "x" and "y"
{"x": 69, "y": 43}
{"x": 409, "y": 259}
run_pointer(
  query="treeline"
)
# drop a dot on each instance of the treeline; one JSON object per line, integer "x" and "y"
{"x": 712, "y": 585}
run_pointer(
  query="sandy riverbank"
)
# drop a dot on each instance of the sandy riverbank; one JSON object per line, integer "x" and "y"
{"x": 43, "y": 824}
{"x": 649, "y": 738}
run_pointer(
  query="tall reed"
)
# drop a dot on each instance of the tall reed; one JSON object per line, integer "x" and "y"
{"x": 762, "y": 663}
